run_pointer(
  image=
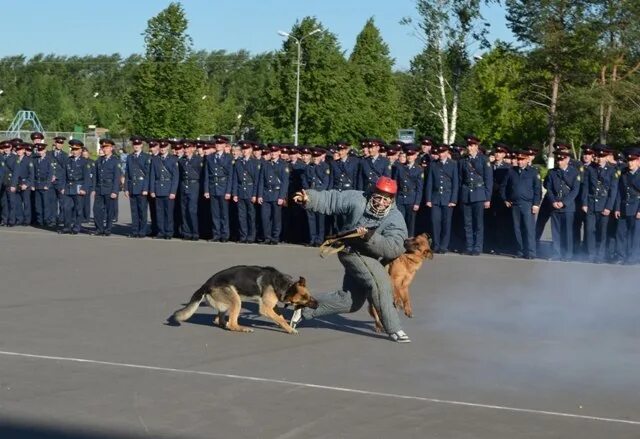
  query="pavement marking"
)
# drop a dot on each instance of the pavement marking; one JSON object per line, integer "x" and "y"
{"x": 322, "y": 387}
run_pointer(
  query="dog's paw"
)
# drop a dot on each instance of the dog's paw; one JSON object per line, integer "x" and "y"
{"x": 294, "y": 331}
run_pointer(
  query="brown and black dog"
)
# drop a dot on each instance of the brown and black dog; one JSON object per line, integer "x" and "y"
{"x": 225, "y": 290}
{"x": 402, "y": 270}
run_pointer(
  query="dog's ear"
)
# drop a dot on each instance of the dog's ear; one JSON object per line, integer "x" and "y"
{"x": 302, "y": 281}
{"x": 428, "y": 254}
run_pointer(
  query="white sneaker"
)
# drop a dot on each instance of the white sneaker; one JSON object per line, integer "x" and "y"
{"x": 400, "y": 337}
{"x": 296, "y": 318}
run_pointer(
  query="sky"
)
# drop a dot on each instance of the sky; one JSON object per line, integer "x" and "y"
{"x": 84, "y": 27}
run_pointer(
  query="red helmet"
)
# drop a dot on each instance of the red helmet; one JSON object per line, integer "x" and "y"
{"x": 386, "y": 185}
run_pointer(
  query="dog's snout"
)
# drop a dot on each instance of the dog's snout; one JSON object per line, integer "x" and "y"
{"x": 313, "y": 303}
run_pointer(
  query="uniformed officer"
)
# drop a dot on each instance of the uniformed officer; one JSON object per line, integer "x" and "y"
{"x": 627, "y": 209}
{"x": 77, "y": 184}
{"x": 579, "y": 234}
{"x": 316, "y": 176}
{"x": 522, "y": 192}
{"x": 272, "y": 191}
{"x": 8, "y": 198}
{"x": 442, "y": 186}
{"x": 499, "y": 236}
{"x": 191, "y": 170}
{"x": 218, "y": 169}
{"x": 545, "y": 207}
{"x": 344, "y": 170}
{"x": 476, "y": 187}
{"x": 43, "y": 177}
{"x": 177, "y": 148}
{"x": 136, "y": 186}
{"x": 86, "y": 201}
{"x": 59, "y": 160}
{"x": 163, "y": 185}
{"x": 373, "y": 167}
{"x": 599, "y": 191}
{"x": 244, "y": 190}
{"x": 154, "y": 151}
{"x": 108, "y": 172}
{"x": 563, "y": 185}
{"x": 424, "y": 156}
{"x": 21, "y": 183}
{"x": 410, "y": 178}
{"x": 3, "y": 146}
{"x": 294, "y": 217}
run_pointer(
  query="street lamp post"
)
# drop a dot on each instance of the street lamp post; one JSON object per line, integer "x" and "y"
{"x": 299, "y": 44}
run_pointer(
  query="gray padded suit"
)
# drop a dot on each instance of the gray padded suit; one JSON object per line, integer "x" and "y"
{"x": 363, "y": 261}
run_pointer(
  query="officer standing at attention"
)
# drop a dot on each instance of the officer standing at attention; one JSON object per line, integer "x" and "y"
{"x": 154, "y": 151}
{"x": 272, "y": 191}
{"x": 59, "y": 159}
{"x": 316, "y": 176}
{"x": 107, "y": 187}
{"x": 522, "y": 192}
{"x": 21, "y": 183}
{"x": 7, "y": 162}
{"x": 627, "y": 210}
{"x": 191, "y": 170}
{"x": 373, "y": 167}
{"x": 442, "y": 196}
{"x": 499, "y": 218}
{"x": 218, "y": 169}
{"x": 77, "y": 184}
{"x": 136, "y": 186}
{"x": 563, "y": 185}
{"x": 244, "y": 190}
{"x": 599, "y": 191}
{"x": 476, "y": 186}
{"x": 86, "y": 201}
{"x": 410, "y": 179}
{"x": 163, "y": 185}
{"x": 43, "y": 177}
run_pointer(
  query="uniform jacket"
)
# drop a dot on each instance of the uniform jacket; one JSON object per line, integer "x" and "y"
{"x": 59, "y": 160}
{"x": 600, "y": 188}
{"x": 77, "y": 176}
{"x": 371, "y": 170}
{"x": 563, "y": 186}
{"x": 273, "y": 182}
{"x": 628, "y": 199}
{"x": 410, "y": 181}
{"x": 191, "y": 171}
{"x": 443, "y": 183}
{"x": 476, "y": 179}
{"x": 218, "y": 171}
{"x": 108, "y": 172}
{"x": 164, "y": 175}
{"x": 387, "y": 243}
{"x": 316, "y": 177}
{"x": 522, "y": 186}
{"x": 137, "y": 173}
{"x": 22, "y": 173}
{"x": 344, "y": 174}
{"x": 42, "y": 172}
{"x": 245, "y": 178}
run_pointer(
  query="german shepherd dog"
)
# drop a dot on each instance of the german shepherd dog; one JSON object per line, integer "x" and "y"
{"x": 402, "y": 270}
{"x": 225, "y": 290}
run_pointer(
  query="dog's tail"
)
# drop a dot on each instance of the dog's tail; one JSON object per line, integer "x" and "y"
{"x": 185, "y": 313}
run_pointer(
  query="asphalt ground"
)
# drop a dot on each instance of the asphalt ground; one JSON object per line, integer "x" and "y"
{"x": 502, "y": 348}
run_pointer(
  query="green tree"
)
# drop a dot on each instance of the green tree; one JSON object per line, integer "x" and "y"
{"x": 371, "y": 62}
{"x": 166, "y": 99}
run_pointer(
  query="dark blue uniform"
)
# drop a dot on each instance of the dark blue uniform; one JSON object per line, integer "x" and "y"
{"x": 77, "y": 178}
{"x": 190, "y": 184}
{"x": 59, "y": 161}
{"x": 108, "y": 172}
{"x": 272, "y": 186}
{"x": 7, "y": 161}
{"x": 563, "y": 186}
{"x": 499, "y": 222}
{"x": 137, "y": 173}
{"x": 86, "y": 201}
{"x": 628, "y": 204}
{"x": 599, "y": 191}
{"x": 245, "y": 187}
{"x": 442, "y": 189}
{"x": 371, "y": 170}
{"x": 316, "y": 177}
{"x": 163, "y": 182}
{"x": 523, "y": 189}
{"x": 344, "y": 174}
{"x": 23, "y": 174}
{"x": 410, "y": 179}
{"x": 43, "y": 172}
{"x": 476, "y": 186}
{"x": 218, "y": 169}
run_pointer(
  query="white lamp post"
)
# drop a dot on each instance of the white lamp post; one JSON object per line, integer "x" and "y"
{"x": 298, "y": 42}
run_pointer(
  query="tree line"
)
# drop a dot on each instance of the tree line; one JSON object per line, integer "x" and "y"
{"x": 572, "y": 74}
